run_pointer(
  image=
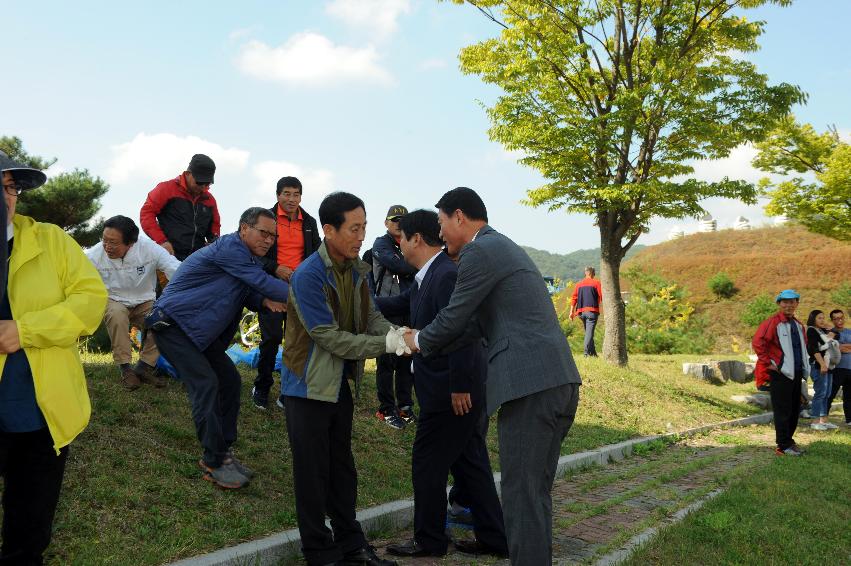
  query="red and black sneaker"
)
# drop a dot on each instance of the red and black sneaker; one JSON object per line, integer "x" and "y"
{"x": 391, "y": 419}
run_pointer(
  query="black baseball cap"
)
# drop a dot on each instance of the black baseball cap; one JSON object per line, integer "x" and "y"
{"x": 25, "y": 177}
{"x": 396, "y": 211}
{"x": 202, "y": 168}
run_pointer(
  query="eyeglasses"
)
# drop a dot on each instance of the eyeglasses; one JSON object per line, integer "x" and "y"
{"x": 265, "y": 233}
{"x": 395, "y": 219}
{"x": 13, "y": 190}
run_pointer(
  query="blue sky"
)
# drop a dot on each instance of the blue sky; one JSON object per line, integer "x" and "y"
{"x": 356, "y": 95}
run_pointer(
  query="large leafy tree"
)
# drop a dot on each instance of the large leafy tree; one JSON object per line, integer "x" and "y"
{"x": 611, "y": 99}
{"x": 816, "y": 188}
{"x": 70, "y": 200}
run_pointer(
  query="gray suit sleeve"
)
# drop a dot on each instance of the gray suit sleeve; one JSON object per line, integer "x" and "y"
{"x": 475, "y": 282}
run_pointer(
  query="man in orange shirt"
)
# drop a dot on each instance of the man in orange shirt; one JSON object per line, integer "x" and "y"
{"x": 298, "y": 237}
{"x": 585, "y": 302}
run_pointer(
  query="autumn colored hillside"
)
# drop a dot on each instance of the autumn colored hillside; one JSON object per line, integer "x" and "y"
{"x": 763, "y": 260}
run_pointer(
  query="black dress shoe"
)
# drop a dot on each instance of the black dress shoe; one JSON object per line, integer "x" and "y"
{"x": 411, "y": 548}
{"x": 475, "y": 547}
{"x": 364, "y": 557}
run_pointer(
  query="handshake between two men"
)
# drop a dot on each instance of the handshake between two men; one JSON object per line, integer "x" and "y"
{"x": 402, "y": 342}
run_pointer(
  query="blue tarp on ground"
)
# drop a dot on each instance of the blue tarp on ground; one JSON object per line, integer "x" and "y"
{"x": 251, "y": 357}
{"x": 235, "y": 353}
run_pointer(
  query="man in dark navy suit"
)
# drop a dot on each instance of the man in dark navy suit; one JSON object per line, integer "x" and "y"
{"x": 450, "y": 390}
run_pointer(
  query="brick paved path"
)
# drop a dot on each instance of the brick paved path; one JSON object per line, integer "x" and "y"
{"x": 596, "y": 511}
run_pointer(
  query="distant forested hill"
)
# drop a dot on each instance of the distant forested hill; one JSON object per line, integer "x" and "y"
{"x": 569, "y": 267}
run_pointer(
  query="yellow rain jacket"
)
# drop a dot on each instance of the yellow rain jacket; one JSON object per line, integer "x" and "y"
{"x": 56, "y": 295}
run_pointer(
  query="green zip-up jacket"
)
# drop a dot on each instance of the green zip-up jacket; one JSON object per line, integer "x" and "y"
{"x": 318, "y": 355}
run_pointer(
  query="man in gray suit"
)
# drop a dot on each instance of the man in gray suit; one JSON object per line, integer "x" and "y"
{"x": 532, "y": 377}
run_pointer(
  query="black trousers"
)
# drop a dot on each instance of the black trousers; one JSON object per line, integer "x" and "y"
{"x": 213, "y": 386}
{"x": 32, "y": 475}
{"x": 324, "y": 474}
{"x": 786, "y": 406}
{"x": 271, "y": 337}
{"x": 388, "y": 365}
{"x": 460, "y": 493}
{"x": 841, "y": 378}
{"x": 445, "y": 442}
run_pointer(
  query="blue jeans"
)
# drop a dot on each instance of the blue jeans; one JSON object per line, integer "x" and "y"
{"x": 590, "y": 321}
{"x": 822, "y": 383}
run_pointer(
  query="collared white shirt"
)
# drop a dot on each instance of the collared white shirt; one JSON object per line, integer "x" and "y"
{"x": 424, "y": 269}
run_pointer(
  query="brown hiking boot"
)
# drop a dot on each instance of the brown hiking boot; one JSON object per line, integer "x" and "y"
{"x": 148, "y": 374}
{"x": 129, "y": 379}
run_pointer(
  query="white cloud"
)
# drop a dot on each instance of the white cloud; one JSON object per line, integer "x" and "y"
{"x": 162, "y": 156}
{"x": 736, "y": 166}
{"x": 309, "y": 58}
{"x": 316, "y": 182}
{"x": 430, "y": 64}
{"x": 379, "y": 17}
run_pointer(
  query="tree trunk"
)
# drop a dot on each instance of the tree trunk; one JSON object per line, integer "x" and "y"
{"x": 614, "y": 338}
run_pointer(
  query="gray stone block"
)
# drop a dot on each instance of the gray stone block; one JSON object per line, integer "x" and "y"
{"x": 760, "y": 399}
{"x": 704, "y": 371}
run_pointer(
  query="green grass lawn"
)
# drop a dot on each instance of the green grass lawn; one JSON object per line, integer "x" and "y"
{"x": 790, "y": 511}
{"x": 133, "y": 493}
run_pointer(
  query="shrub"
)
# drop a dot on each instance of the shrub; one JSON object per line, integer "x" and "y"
{"x": 660, "y": 319}
{"x": 722, "y": 285}
{"x": 842, "y": 297}
{"x": 757, "y": 310}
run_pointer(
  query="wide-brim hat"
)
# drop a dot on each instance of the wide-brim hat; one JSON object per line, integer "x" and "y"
{"x": 25, "y": 177}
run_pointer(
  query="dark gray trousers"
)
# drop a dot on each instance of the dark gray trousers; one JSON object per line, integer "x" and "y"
{"x": 531, "y": 430}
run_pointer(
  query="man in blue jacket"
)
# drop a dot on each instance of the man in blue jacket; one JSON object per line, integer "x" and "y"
{"x": 193, "y": 323}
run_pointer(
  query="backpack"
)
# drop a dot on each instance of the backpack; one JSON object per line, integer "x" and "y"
{"x": 373, "y": 278}
{"x": 831, "y": 353}
{"x": 829, "y": 350}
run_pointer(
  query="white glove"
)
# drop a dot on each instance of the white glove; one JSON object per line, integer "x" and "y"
{"x": 395, "y": 341}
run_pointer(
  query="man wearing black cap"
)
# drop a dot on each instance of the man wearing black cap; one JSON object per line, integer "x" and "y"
{"x": 393, "y": 275}
{"x": 181, "y": 215}
{"x": 50, "y": 296}
{"x": 298, "y": 237}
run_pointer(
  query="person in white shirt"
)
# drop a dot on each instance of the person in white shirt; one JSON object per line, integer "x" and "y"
{"x": 128, "y": 267}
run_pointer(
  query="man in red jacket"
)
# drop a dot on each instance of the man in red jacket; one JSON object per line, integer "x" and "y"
{"x": 780, "y": 345}
{"x": 585, "y": 302}
{"x": 181, "y": 215}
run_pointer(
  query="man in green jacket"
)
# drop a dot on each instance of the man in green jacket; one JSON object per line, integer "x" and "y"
{"x": 333, "y": 327}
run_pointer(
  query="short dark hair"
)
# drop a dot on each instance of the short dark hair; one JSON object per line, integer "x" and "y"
{"x": 591, "y": 270}
{"x": 251, "y": 215}
{"x": 466, "y": 200}
{"x": 834, "y": 311}
{"x": 811, "y": 320}
{"x": 335, "y": 206}
{"x": 129, "y": 230}
{"x": 424, "y": 223}
{"x": 287, "y": 182}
